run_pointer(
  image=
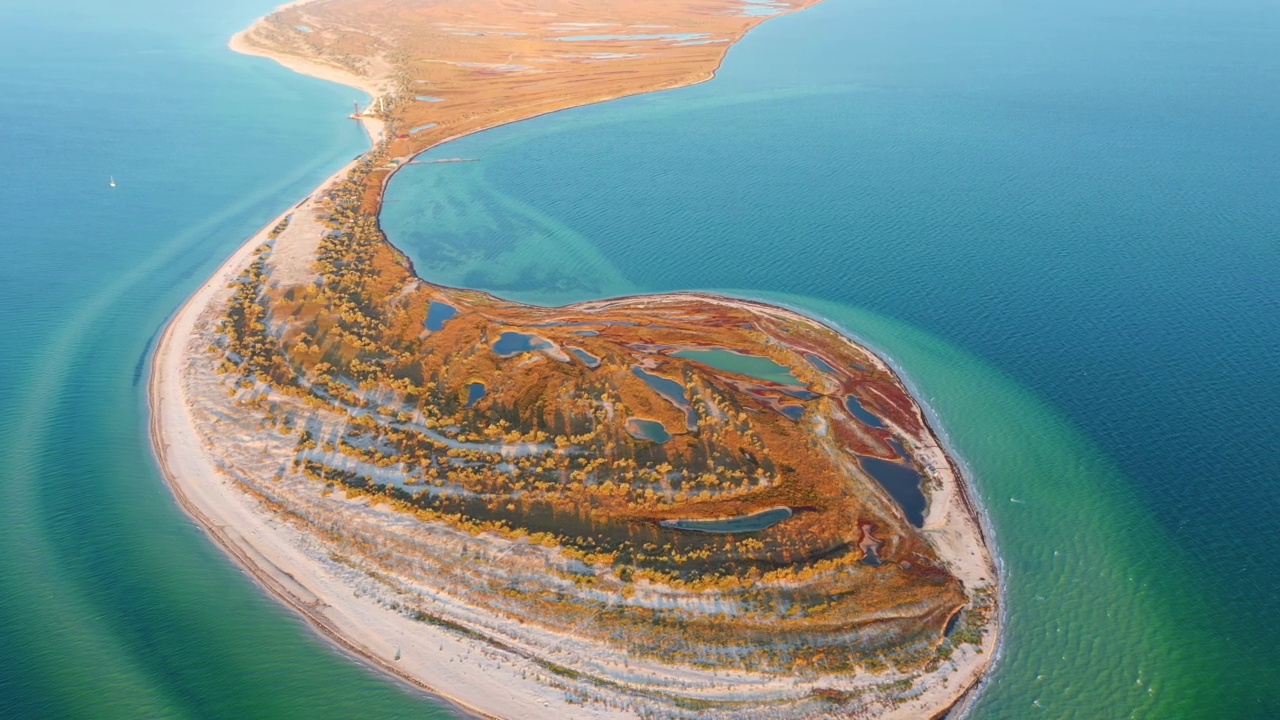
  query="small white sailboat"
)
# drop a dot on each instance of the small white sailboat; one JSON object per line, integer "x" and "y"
{"x": 112, "y": 180}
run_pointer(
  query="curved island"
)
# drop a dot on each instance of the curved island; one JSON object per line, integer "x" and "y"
{"x": 661, "y": 506}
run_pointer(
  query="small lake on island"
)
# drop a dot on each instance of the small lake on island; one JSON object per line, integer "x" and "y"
{"x": 821, "y": 364}
{"x": 760, "y": 368}
{"x": 514, "y": 343}
{"x": 793, "y": 412}
{"x": 867, "y": 417}
{"x": 902, "y": 483}
{"x": 754, "y": 522}
{"x": 666, "y": 387}
{"x": 475, "y": 392}
{"x": 587, "y": 358}
{"x": 438, "y": 314}
{"x": 652, "y": 430}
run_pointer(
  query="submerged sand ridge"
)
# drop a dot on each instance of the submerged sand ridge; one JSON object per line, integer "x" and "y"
{"x": 503, "y": 503}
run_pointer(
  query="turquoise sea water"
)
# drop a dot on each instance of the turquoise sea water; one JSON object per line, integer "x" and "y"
{"x": 1058, "y": 219}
